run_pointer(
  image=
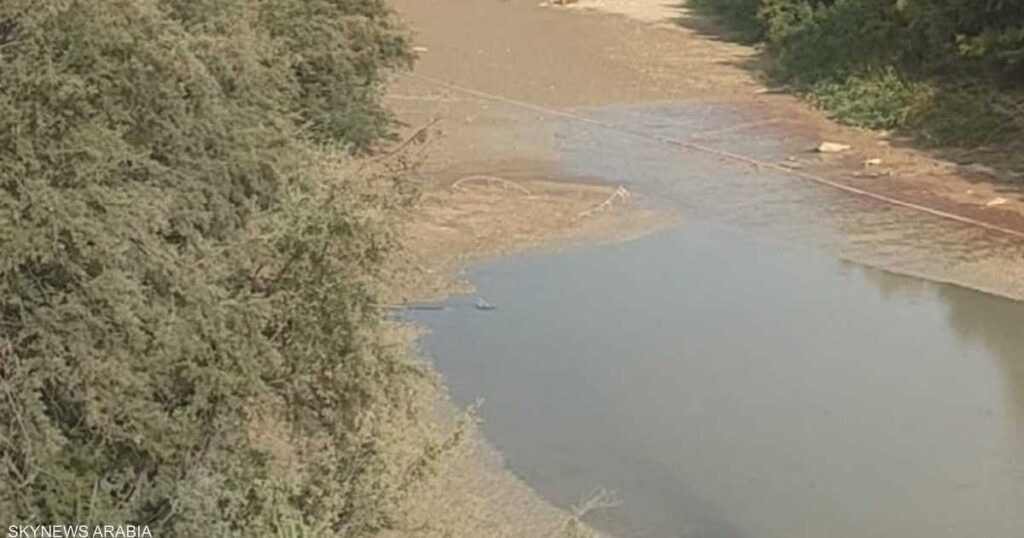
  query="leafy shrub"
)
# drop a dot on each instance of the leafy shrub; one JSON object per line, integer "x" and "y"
{"x": 892, "y": 63}
{"x": 879, "y": 100}
{"x": 985, "y": 38}
{"x": 962, "y": 117}
{"x": 822, "y": 37}
{"x": 740, "y": 15}
{"x": 179, "y": 252}
{"x": 814, "y": 39}
{"x": 939, "y": 116}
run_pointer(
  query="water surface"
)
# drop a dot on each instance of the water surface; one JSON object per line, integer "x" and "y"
{"x": 735, "y": 377}
{"x": 729, "y": 388}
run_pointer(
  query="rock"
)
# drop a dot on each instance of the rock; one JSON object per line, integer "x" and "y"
{"x": 873, "y": 162}
{"x": 996, "y": 201}
{"x": 832, "y": 147}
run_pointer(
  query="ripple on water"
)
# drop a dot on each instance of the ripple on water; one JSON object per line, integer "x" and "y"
{"x": 776, "y": 205}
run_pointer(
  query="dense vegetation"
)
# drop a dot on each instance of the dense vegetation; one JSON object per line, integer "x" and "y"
{"x": 187, "y": 275}
{"x": 942, "y": 68}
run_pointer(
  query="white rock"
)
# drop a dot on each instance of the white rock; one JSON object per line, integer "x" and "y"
{"x": 873, "y": 162}
{"x": 996, "y": 201}
{"x": 832, "y": 147}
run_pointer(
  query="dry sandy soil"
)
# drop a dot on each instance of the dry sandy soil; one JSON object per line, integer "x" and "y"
{"x": 492, "y": 73}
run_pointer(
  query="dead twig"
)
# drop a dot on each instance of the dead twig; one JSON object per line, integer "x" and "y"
{"x": 418, "y": 136}
{"x": 601, "y": 499}
{"x": 620, "y": 194}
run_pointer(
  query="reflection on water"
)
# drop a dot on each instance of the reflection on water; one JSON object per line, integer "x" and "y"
{"x": 733, "y": 378}
{"x": 997, "y": 324}
{"x": 999, "y": 327}
{"x": 727, "y": 387}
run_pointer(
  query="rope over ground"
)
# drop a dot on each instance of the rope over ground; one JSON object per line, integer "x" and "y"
{"x": 689, "y": 144}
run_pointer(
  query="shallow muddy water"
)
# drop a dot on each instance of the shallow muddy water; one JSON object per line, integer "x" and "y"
{"x": 735, "y": 377}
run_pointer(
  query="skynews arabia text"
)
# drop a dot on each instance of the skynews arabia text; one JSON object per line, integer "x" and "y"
{"x": 78, "y": 531}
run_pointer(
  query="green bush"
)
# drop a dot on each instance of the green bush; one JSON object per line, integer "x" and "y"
{"x": 962, "y": 117}
{"x": 982, "y": 38}
{"x": 178, "y": 253}
{"x": 740, "y": 15}
{"x": 938, "y": 116}
{"x": 813, "y": 40}
{"x": 926, "y": 65}
{"x": 878, "y": 100}
{"x": 815, "y": 37}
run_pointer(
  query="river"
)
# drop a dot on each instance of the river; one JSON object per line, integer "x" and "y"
{"x": 766, "y": 369}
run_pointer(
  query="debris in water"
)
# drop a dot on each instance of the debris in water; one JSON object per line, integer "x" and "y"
{"x": 481, "y": 304}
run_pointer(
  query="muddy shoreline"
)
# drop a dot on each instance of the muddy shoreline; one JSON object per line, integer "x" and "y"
{"x": 462, "y": 223}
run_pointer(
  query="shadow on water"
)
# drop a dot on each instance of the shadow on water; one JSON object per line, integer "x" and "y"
{"x": 728, "y": 387}
{"x": 999, "y": 325}
{"x": 995, "y": 322}
{"x": 732, "y": 378}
